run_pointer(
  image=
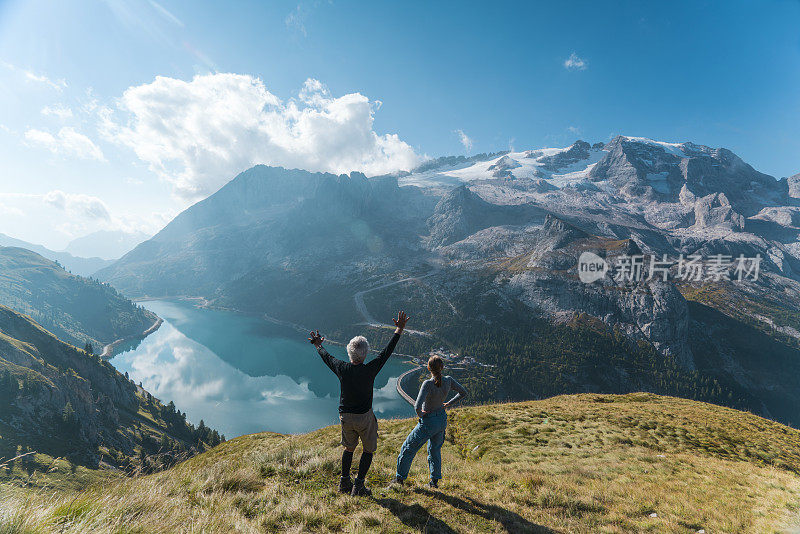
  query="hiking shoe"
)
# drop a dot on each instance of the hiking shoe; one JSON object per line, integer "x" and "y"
{"x": 345, "y": 485}
{"x": 396, "y": 481}
{"x": 433, "y": 483}
{"x": 359, "y": 489}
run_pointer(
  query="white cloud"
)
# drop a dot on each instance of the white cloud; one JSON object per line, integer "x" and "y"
{"x": 573, "y": 62}
{"x": 11, "y": 210}
{"x": 198, "y": 134}
{"x": 59, "y": 110}
{"x": 67, "y": 142}
{"x": 465, "y": 140}
{"x": 58, "y": 85}
{"x": 574, "y": 129}
{"x": 31, "y": 76}
{"x": 78, "y": 205}
{"x": 54, "y": 218}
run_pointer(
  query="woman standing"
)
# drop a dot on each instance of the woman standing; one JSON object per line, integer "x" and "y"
{"x": 430, "y": 407}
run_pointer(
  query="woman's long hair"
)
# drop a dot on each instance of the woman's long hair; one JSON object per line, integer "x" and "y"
{"x": 435, "y": 366}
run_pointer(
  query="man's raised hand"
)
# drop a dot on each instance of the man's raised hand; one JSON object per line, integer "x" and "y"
{"x": 316, "y": 339}
{"x": 400, "y": 322}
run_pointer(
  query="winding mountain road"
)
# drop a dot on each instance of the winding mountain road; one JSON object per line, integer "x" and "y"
{"x": 358, "y": 299}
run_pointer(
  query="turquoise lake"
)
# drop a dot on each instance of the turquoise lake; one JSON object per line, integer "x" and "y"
{"x": 241, "y": 374}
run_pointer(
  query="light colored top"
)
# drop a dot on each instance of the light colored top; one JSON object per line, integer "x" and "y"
{"x": 431, "y": 398}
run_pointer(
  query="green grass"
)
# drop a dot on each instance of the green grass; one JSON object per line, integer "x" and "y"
{"x": 46, "y": 472}
{"x": 578, "y": 463}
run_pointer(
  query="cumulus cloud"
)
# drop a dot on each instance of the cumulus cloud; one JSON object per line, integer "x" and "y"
{"x": 465, "y": 140}
{"x": 78, "y": 204}
{"x": 67, "y": 142}
{"x": 573, "y": 62}
{"x": 198, "y": 134}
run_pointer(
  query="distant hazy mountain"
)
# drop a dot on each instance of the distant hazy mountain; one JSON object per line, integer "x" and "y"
{"x": 484, "y": 249}
{"x": 106, "y": 244}
{"x": 78, "y": 265}
{"x": 74, "y": 308}
{"x": 60, "y": 401}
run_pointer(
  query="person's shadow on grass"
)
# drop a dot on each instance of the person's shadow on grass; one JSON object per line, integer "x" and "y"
{"x": 415, "y": 516}
{"x": 511, "y": 521}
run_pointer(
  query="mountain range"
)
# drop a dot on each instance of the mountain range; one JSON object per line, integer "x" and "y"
{"x": 488, "y": 248}
{"x": 87, "y": 254}
{"x": 81, "y": 266}
{"x": 106, "y": 244}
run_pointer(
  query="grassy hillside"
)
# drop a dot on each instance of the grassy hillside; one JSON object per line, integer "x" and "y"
{"x": 582, "y": 463}
{"x": 60, "y": 401}
{"x": 74, "y": 308}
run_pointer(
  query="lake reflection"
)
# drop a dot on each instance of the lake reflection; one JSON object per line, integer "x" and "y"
{"x": 241, "y": 374}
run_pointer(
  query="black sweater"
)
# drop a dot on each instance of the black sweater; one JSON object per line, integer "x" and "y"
{"x": 357, "y": 380}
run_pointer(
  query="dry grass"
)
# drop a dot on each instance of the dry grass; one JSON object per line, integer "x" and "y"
{"x": 582, "y": 463}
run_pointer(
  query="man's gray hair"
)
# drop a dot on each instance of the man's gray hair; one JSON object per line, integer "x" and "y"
{"x": 357, "y": 349}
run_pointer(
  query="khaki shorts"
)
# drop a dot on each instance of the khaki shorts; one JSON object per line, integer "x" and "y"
{"x": 359, "y": 425}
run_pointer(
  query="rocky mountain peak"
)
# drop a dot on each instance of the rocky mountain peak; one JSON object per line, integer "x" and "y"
{"x": 555, "y": 226}
{"x": 654, "y": 170}
{"x": 458, "y": 198}
{"x": 506, "y": 162}
{"x": 502, "y": 168}
{"x": 557, "y": 233}
{"x": 580, "y": 150}
{"x": 454, "y": 216}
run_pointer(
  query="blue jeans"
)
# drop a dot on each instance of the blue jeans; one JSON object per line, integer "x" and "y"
{"x": 430, "y": 428}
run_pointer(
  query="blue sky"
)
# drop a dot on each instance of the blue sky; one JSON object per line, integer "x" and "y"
{"x": 104, "y": 125}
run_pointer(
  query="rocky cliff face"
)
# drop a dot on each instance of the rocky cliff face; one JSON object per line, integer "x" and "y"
{"x": 56, "y": 374}
{"x": 793, "y": 185}
{"x": 653, "y": 311}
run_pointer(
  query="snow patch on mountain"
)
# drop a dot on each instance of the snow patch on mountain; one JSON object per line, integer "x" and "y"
{"x": 559, "y": 166}
{"x": 676, "y": 149}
